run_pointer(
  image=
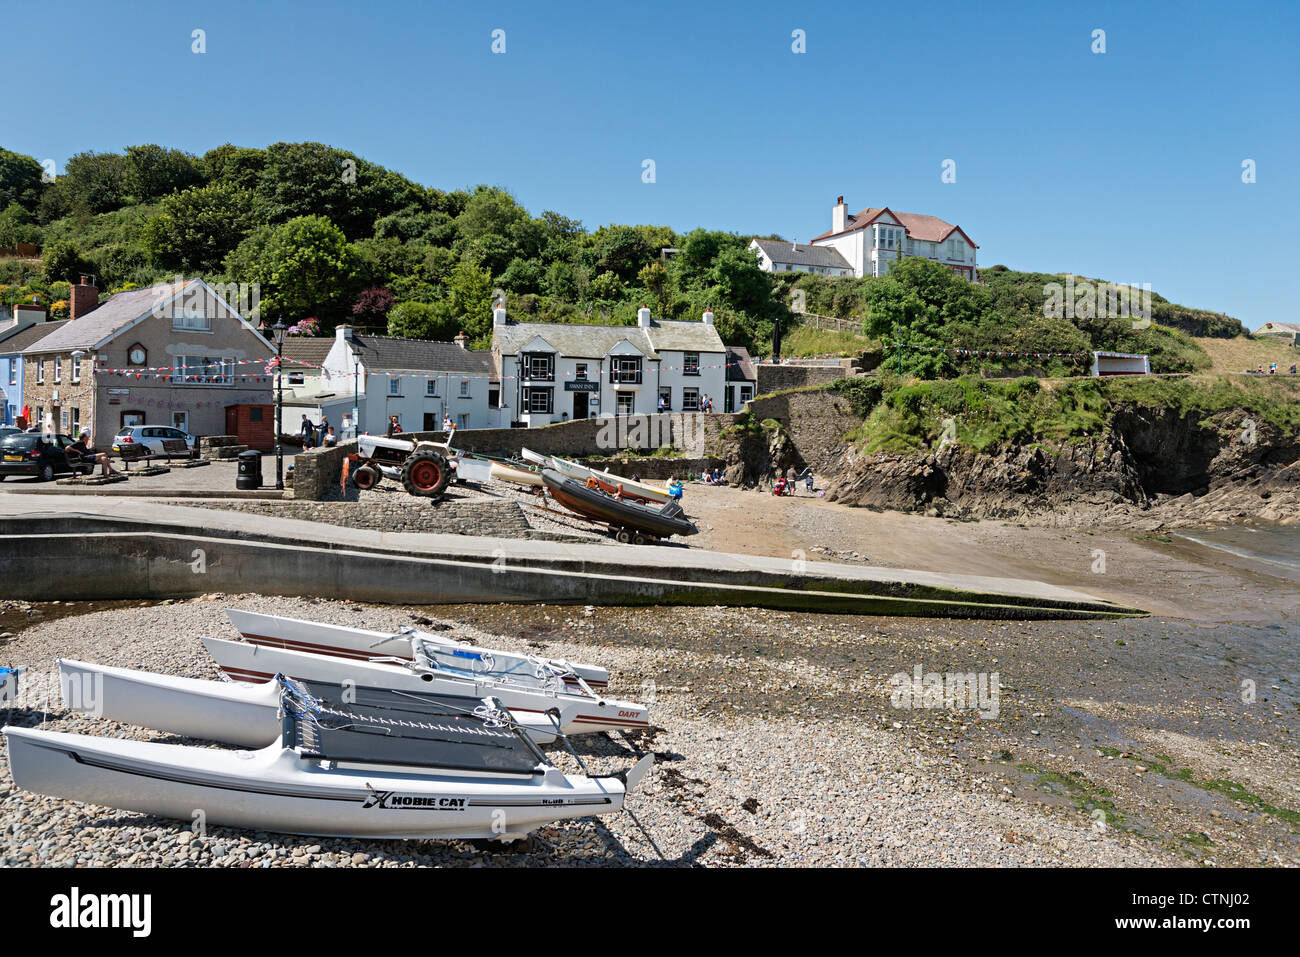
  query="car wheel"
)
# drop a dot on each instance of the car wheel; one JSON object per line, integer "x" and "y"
{"x": 47, "y": 473}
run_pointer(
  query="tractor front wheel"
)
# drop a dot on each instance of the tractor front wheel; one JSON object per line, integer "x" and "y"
{"x": 367, "y": 476}
{"x": 426, "y": 473}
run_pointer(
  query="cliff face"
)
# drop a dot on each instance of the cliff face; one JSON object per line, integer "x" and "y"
{"x": 1151, "y": 467}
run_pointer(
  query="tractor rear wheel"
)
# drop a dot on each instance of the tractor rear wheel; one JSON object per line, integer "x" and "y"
{"x": 426, "y": 473}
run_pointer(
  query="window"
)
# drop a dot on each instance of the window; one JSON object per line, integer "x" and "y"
{"x": 204, "y": 370}
{"x": 666, "y": 397}
{"x": 625, "y": 369}
{"x": 255, "y": 413}
{"x": 539, "y": 365}
{"x": 690, "y": 363}
{"x": 63, "y": 420}
{"x": 58, "y": 368}
{"x": 539, "y": 400}
{"x": 76, "y": 420}
{"x": 746, "y": 393}
{"x": 464, "y": 388}
{"x": 13, "y": 371}
{"x": 690, "y": 400}
{"x": 580, "y": 372}
{"x": 625, "y": 402}
{"x": 297, "y": 378}
{"x": 132, "y": 419}
{"x": 40, "y": 371}
{"x": 180, "y": 320}
{"x": 76, "y": 368}
{"x": 394, "y": 386}
{"x": 431, "y": 388}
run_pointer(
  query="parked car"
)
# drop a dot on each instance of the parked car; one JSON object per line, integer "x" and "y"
{"x": 151, "y": 436}
{"x": 30, "y": 453}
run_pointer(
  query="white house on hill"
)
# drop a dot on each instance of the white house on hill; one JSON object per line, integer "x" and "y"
{"x": 873, "y": 239}
{"x": 555, "y": 371}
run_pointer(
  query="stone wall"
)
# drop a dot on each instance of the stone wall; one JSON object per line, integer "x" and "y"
{"x": 775, "y": 378}
{"x": 399, "y": 513}
{"x": 816, "y": 421}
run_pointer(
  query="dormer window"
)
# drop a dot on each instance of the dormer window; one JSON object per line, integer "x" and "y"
{"x": 539, "y": 365}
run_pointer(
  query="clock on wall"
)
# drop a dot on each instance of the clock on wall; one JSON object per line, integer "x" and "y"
{"x": 137, "y": 355}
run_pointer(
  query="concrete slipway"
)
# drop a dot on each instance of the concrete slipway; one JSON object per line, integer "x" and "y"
{"x": 78, "y": 548}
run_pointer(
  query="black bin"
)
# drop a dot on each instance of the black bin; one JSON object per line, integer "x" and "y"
{"x": 250, "y": 470}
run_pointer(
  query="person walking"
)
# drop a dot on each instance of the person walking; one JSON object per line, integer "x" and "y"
{"x": 307, "y": 432}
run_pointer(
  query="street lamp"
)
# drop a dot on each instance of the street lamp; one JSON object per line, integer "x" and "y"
{"x": 278, "y": 331}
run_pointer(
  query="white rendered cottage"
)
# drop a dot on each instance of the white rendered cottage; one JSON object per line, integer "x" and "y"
{"x": 557, "y": 371}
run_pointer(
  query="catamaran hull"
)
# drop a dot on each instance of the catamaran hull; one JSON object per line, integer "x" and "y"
{"x": 577, "y": 715}
{"x": 277, "y": 789}
{"x": 340, "y": 641}
{"x": 245, "y": 715}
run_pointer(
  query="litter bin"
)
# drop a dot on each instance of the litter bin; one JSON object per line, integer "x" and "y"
{"x": 250, "y": 470}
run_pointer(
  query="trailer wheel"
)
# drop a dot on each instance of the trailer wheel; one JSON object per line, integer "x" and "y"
{"x": 367, "y": 476}
{"x": 623, "y": 536}
{"x": 426, "y": 473}
{"x": 638, "y": 539}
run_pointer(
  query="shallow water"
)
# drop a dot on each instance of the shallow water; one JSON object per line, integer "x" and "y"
{"x": 1275, "y": 546}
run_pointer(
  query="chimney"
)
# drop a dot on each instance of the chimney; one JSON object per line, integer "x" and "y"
{"x": 499, "y": 314}
{"x": 27, "y": 314}
{"x": 839, "y": 216}
{"x": 462, "y": 340}
{"x": 794, "y": 246}
{"x": 84, "y": 296}
{"x": 708, "y": 317}
{"x": 643, "y": 317}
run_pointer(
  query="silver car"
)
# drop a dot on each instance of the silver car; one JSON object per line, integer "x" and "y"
{"x": 151, "y": 436}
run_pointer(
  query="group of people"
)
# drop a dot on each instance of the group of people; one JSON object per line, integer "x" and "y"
{"x": 1272, "y": 370}
{"x": 788, "y": 483}
{"x": 713, "y": 477}
{"x": 706, "y": 404}
{"x": 314, "y": 435}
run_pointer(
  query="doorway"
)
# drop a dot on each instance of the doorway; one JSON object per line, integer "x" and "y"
{"x": 181, "y": 420}
{"x": 579, "y": 405}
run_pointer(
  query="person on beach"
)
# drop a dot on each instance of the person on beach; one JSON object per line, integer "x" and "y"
{"x": 808, "y": 480}
{"x": 90, "y": 454}
{"x": 393, "y": 427}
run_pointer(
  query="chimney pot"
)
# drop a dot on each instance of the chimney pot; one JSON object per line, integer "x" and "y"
{"x": 462, "y": 339}
{"x": 643, "y": 317}
{"x": 708, "y": 317}
{"x": 499, "y": 315}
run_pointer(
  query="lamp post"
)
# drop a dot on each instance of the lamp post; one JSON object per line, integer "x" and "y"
{"x": 278, "y": 331}
{"x": 356, "y": 400}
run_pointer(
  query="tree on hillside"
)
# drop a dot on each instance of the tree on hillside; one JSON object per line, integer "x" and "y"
{"x": 16, "y": 227}
{"x": 306, "y": 267}
{"x": 63, "y": 261}
{"x": 152, "y": 171}
{"x": 94, "y": 182}
{"x": 196, "y": 229}
{"x": 370, "y": 311}
{"x": 20, "y": 180}
{"x": 234, "y": 166}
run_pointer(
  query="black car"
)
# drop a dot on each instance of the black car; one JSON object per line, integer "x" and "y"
{"x": 30, "y": 453}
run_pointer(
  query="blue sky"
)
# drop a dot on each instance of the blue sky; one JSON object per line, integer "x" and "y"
{"x": 1124, "y": 165}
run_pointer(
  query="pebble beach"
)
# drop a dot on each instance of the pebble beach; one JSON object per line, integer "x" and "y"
{"x": 762, "y": 758}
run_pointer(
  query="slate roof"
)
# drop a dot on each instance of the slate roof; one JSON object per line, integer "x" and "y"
{"x": 20, "y": 341}
{"x": 1272, "y": 328}
{"x": 740, "y": 366}
{"x": 107, "y": 319}
{"x": 390, "y": 354}
{"x": 597, "y": 341}
{"x": 824, "y": 257}
{"x": 309, "y": 349}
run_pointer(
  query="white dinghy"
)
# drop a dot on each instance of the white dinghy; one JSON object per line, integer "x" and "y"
{"x": 318, "y": 638}
{"x": 526, "y": 696}
{"x": 333, "y": 773}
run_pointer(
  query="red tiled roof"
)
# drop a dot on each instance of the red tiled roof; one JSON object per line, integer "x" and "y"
{"x": 929, "y": 229}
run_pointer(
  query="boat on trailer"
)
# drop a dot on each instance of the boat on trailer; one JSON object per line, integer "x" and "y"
{"x": 334, "y": 772}
{"x": 609, "y": 482}
{"x": 515, "y": 475}
{"x": 342, "y": 641}
{"x": 632, "y": 520}
{"x": 578, "y": 713}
